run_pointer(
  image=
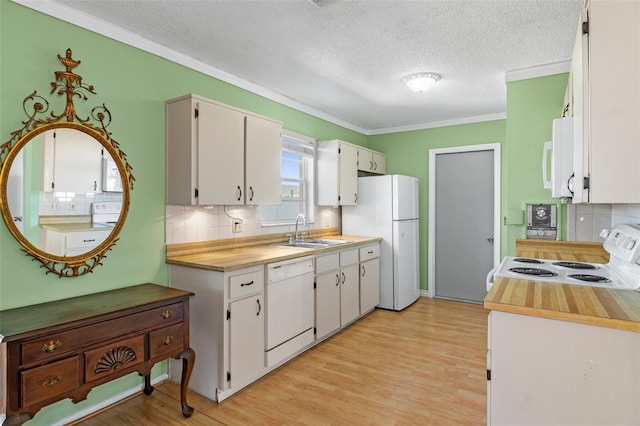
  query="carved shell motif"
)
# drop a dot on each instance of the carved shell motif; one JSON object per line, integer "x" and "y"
{"x": 115, "y": 359}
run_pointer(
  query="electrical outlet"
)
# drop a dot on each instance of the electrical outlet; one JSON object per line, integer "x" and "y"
{"x": 237, "y": 227}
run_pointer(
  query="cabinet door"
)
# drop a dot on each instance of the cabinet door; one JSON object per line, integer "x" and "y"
{"x": 77, "y": 161}
{"x": 348, "y": 175}
{"x": 365, "y": 160}
{"x": 327, "y": 303}
{"x": 379, "y": 163}
{"x": 262, "y": 161}
{"x": 246, "y": 339}
{"x": 369, "y": 284}
{"x": 349, "y": 294}
{"x": 220, "y": 156}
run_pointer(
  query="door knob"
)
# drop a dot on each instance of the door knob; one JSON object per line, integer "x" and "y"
{"x": 490, "y": 239}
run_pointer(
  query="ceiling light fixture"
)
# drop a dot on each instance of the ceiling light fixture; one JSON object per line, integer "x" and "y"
{"x": 421, "y": 81}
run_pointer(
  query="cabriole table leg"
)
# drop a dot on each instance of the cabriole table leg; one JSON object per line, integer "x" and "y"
{"x": 188, "y": 357}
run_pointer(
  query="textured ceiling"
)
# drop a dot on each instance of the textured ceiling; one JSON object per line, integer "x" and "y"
{"x": 346, "y": 59}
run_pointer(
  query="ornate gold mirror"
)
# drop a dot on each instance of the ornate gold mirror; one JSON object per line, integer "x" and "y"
{"x": 64, "y": 181}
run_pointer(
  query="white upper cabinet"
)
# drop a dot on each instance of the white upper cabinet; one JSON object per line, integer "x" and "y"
{"x": 371, "y": 161}
{"x": 220, "y": 155}
{"x": 337, "y": 173}
{"x": 605, "y": 85}
{"x": 262, "y": 161}
{"x": 71, "y": 161}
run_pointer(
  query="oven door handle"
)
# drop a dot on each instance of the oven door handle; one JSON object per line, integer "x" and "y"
{"x": 490, "y": 279}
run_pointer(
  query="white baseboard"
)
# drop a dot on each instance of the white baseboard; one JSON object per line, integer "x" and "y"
{"x": 424, "y": 293}
{"x": 107, "y": 402}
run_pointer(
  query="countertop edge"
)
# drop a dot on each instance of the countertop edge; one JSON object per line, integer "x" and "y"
{"x": 292, "y": 253}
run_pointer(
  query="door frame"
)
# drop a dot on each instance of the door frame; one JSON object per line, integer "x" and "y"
{"x": 495, "y": 147}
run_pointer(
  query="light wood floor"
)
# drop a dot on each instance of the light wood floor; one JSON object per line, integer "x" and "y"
{"x": 425, "y": 365}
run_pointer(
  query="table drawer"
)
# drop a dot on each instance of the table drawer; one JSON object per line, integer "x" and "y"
{"x": 59, "y": 343}
{"x": 108, "y": 359}
{"x": 166, "y": 340}
{"x": 370, "y": 252}
{"x": 245, "y": 284}
{"x": 48, "y": 381}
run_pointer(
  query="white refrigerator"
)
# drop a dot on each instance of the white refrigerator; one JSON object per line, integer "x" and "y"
{"x": 388, "y": 208}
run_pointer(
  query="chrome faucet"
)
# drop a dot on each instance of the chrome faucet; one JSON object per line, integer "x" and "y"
{"x": 304, "y": 222}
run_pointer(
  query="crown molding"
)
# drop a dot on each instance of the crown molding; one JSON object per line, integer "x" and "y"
{"x": 443, "y": 123}
{"x": 537, "y": 71}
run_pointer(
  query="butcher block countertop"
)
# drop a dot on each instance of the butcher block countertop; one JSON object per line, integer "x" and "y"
{"x": 239, "y": 253}
{"x": 576, "y": 303}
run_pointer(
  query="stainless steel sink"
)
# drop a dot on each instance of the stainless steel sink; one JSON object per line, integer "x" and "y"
{"x": 312, "y": 244}
{"x": 327, "y": 242}
{"x": 302, "y": 244}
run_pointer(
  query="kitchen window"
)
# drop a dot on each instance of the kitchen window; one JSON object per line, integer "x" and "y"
{"x": 296, "y": 194}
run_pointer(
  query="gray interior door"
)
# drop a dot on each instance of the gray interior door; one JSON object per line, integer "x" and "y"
{"x": 464, "y": 224}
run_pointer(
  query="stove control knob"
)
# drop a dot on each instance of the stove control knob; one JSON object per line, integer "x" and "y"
{"x": 604, "y": 233}
{"x": 628, "y": 244}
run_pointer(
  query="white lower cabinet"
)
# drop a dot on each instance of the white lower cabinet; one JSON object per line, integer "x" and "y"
{"x": 349, "y": 287}
{"x": 227, "y": 328}
{"x": 327, "y": 283}
{"x": 338, "y": 298}
{"x": 71, "y": 243}
{"x": 246, "y": 339}
{"x": 369, "y": 278}
{"x": 550, "y": 372}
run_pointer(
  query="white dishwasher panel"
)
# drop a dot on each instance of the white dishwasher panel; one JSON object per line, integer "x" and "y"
{"x": 289, "y": 300}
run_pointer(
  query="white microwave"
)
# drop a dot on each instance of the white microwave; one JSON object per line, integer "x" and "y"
{"x": 559, "y": 154}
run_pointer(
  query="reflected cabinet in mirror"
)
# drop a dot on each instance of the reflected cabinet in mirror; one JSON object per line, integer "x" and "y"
{"x": 64, "y": 181}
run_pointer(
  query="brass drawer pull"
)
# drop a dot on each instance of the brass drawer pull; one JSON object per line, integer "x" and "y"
{"x": 51, "y": 381}
{"x": 167, "y": 314}
{"x": 167, "y": 340}
{"x": 51, "y": 346}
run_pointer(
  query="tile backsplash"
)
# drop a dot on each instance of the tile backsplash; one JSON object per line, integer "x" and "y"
{"x": 195, "y": 223}
{"x": 585, "y": 221}
{"x": 73, "y": 203}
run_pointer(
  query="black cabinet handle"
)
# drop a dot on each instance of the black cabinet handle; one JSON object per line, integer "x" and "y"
{"x": 337, "y": 280}
{"x": 89, "y": 241}
{"x": 239, "y": 193}
{"x": 364, "y": 271}
{"x": 259, "y": 307}
{"x": 356, "y": 198}
{"x": 95, "y": 185}
{"x": 343, "y": 278}
{"x": 244, "y": 284}
{"x": 251, "y": 197}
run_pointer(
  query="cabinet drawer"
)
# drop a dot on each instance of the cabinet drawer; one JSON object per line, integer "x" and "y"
{"x": 244, "y": 284}
{"x": 85, "y": 239}
{"x": 327, "y": 263}
{"x": 370, "y": 252}
{"x": 348, "y": 257}
{"x": 166, "y": 340}
{"x": 47, "y": 381}
{"x": 108, "y": 359}
{"x": 58, "y": 343}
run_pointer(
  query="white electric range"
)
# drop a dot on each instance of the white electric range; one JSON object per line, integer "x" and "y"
{"x": 622, "y": 271}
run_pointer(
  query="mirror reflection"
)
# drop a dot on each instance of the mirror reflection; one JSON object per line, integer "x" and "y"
{"x": 64, "y": 192}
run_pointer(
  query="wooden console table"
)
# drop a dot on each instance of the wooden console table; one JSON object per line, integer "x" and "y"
{"x": 63, "y": 349}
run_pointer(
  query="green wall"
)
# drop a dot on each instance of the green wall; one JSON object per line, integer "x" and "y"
{"x": 531, "y": 107}
{"x": 134, "y": 85}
